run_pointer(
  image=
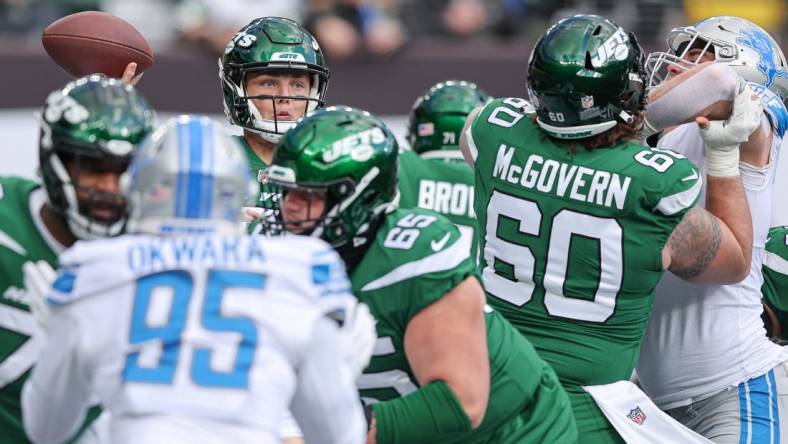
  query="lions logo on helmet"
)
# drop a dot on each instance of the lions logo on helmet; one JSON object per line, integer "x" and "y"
{"x": 92, "y": 123}
{"x": 270, "y": 44}
{"x": 744, "y": 46}
{"x": 189, "y": 177}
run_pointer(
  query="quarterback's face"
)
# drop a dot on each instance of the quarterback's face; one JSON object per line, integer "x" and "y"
{"x": 97, "y": 184}
{"x": 284, "y": 86}
{"x": 302, "y": 209}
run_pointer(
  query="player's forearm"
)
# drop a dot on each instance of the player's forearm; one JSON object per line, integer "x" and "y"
{"x": 725, "y": 198}
{"x": 704, "y": 91}
{"x": 46, "y": 417}
{"x": 55, "y": 398}
{"x": 326, "y": 403}
{"x": 427, "y": 415}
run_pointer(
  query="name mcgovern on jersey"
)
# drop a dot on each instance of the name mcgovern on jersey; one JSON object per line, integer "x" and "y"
{"x": 554, "y": 177}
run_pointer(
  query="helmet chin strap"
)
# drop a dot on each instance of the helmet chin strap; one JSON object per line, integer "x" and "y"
{"x": 626, "y": 117}
{"x": 269, "y": 130}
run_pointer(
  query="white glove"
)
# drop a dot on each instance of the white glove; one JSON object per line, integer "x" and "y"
{"x": 722, "y": 138}
{"x": 38, "y": 282}
{"x": 359, "y": 335}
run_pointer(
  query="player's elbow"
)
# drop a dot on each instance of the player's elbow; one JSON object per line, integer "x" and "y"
{"x": 741, "y": 269}
{"x": 473, "y": 399}
{"x": 475, "y": 410}
{"x": 735, "y": 269}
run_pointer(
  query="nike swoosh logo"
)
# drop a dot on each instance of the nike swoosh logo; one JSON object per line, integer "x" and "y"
{"x": 692, "y": 176}
{"x": 437, "y": 246}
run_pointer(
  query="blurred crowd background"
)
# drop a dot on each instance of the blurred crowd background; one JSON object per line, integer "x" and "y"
{"x": 382, "y": 53}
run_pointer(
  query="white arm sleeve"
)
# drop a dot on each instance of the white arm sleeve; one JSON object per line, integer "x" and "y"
{"x": 682, "y": 101}
{"x": 56, "y": 396}
{"x": 326, "y": 403}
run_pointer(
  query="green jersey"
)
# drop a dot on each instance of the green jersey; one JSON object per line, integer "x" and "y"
{"x": 256, "y": 172}
{"x": 439, "y": 185}
{"x": 268, "y": 197}
{"x": 775, "y": 275}
{"x": 416, "y": 258}
{"x": 572, "y": 242}
{"x": 21, "y": 240}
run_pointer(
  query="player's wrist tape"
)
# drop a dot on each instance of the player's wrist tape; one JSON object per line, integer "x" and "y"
{"x": 420, "y": 417}
{"x": 722, "y": 163}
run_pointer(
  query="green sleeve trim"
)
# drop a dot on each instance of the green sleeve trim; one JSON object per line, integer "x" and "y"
{"x": 424, "y": 416}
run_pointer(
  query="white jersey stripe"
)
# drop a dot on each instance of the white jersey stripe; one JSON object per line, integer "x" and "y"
{"x": 775, "y": 262}
{"x": 25, "y": 356}
{"x": 670, "y": 205}
{"x": 444, "y": 260}
{"x": 474, "y": 152}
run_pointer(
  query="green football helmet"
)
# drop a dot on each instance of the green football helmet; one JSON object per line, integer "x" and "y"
{"x": 93, "y": 122}
{"x": 584, "y": 76}
{"x": 275, "y": 45}
{"x": 349, "y": 158}
{"x": 438, "y": 116}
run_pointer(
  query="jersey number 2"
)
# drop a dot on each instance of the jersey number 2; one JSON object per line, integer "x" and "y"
{"x": 166, "y": 337}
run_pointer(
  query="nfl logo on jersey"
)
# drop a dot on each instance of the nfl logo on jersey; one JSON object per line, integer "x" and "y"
{"x": 637, "y": 416}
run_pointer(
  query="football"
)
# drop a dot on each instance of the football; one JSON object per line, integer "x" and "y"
{"x": 96, "y": 42}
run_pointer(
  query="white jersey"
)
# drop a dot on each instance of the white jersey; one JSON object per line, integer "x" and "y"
{"x": 702, "y": 339}
{"x": 196, "y": 339}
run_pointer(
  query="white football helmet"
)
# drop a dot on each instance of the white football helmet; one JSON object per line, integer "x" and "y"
{"x": 189, "y": 177}
{"x": 744, "y": 46}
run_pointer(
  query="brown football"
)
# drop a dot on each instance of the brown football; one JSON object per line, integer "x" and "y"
{"x": 96, "y": 42}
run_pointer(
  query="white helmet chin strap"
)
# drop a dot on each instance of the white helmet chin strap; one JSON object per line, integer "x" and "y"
{"x": 272, "y": 130}
{"x": 268, "y": 129}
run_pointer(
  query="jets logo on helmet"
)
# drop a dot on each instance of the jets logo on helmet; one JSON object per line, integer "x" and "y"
{"x": 614, "y": 48}
{"x": 347, "y": 158}
{"x": 93, "y": 119}
{"x": 60, "y": 105}
{"x": 357, "y": 146}
{"x": 270, "y": 45}
{"x": 585, "y": 76}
